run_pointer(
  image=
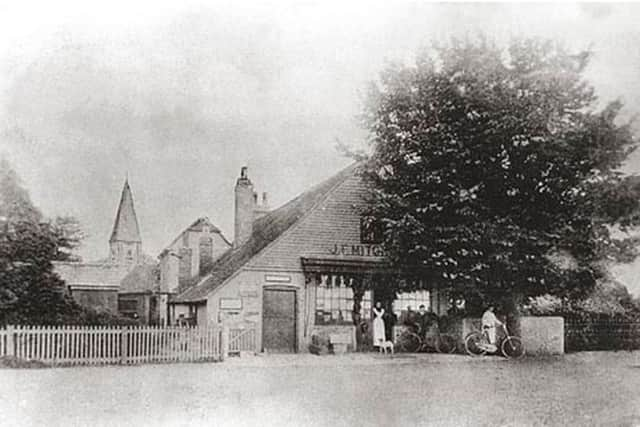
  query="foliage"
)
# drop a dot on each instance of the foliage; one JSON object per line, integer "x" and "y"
{"x": 485, "y": 162}
{"x": 30, "y": 291}
{"x": 89, "y": 316}
{"x": 15, "y": 203}
{"x": 607, "y": 298}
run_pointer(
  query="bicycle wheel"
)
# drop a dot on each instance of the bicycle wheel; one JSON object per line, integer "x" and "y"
{"x": 471, "y": 344}
{"x": 512, "y": 348}
{"x": 446, "y": 344}
{"x": 409, "y": 342}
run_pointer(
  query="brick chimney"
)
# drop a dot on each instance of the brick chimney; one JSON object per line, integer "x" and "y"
{"x": 245, "y": 203}
{"x": 263, "y": 208}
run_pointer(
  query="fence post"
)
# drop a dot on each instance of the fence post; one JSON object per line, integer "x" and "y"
{"x": 10, "y": 341}
{"x": 124, "y": 344}
{"x": 224, "y": 342}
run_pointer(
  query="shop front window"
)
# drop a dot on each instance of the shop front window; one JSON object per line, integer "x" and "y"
{"x": 413, "y": 299}
{"x": 334, "y": 301}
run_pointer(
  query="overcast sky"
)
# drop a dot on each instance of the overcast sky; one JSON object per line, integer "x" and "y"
{"x": 181, "y": 95}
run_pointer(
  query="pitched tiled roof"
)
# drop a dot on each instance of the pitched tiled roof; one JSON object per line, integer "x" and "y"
{"x": 266, "y": 229}
{"x": 143, "y": 278}
{"x": 125, "y": 227}
{"x": 90, "y": 274}
{"x": 144, "y": 259}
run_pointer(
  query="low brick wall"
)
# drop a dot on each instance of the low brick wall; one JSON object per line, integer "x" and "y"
{"x": 601, "y": 332}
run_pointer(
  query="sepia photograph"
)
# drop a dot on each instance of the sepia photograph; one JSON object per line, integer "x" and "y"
{"x": 319, "y": 213}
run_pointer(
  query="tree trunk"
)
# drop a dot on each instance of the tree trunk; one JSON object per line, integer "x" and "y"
{"x": 358, "y": 293}
{"x": 511, "y": 307}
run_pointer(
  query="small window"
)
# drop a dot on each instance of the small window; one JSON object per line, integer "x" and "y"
{"x": 127, "y": 305}
{"x": 371, "y": 231}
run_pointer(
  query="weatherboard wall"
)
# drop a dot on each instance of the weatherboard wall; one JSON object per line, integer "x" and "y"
{"x": 247, "y": 287}
{"x": 331, "y": 229}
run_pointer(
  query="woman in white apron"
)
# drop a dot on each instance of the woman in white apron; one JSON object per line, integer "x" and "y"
{"x": 378, "y": 325}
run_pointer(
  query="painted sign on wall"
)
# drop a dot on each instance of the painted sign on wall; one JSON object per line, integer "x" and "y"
{"x": 357, "y": 250}
{"x": 230, "y": 303}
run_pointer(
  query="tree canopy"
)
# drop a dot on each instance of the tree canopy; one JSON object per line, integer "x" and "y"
{"x": 488, "y": 164}
{"x": 30, "y": 291}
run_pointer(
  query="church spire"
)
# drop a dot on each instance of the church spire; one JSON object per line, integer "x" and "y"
{"x": 125, "y": 241}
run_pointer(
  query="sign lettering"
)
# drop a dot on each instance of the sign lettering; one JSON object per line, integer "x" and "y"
{"x": 357, "y": 250}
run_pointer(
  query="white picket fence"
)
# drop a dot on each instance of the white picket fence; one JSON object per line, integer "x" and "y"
{"x": 96, "y": 345}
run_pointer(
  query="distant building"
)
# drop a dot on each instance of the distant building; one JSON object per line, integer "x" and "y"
{"x": 125, "y": 243}
{"x": 188, "y": 258}
{"x": 133, "y": 284}
{"x": 127, "y": 282}
{"x": 94, "y": 284}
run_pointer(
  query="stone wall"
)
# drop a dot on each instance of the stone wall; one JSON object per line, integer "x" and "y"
{"x": 540, "y": 335}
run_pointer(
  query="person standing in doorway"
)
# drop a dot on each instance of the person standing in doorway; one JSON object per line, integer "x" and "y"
{"x": 379, "y": 336}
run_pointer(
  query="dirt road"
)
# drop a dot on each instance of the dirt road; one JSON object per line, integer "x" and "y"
{"x": 353, "y": 390}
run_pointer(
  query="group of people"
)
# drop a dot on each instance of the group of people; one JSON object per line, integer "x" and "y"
{"x": 421, "y": 321}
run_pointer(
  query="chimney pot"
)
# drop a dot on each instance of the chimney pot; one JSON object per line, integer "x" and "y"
{"x": 264, "y": 199}
{"x": 245, "y": 201}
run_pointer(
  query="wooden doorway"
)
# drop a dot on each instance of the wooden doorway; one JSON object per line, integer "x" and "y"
{"x": 279, "y": 320}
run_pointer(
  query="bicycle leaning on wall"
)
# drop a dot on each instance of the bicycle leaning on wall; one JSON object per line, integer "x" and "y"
{"x": 414, "y": 342}
{"x": 477, "y": 344}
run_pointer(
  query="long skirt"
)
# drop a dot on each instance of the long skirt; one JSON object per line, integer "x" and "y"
{"x": 378, "y": 331}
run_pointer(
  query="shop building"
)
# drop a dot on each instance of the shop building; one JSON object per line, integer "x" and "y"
{"x": 291, "y": 272}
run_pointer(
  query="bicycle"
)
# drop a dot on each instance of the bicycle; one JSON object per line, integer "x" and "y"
{"x": 477, "y": 344}
{"x": 412, "y": 342}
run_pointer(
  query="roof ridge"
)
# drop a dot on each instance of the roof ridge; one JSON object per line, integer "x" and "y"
{"x": 272, "y": 216}
{"x": 183, "y": 230}
{"x": 312, "y": 207}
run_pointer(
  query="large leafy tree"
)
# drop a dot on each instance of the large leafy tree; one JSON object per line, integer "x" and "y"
{"x": 494, "y": 172}
{"x": 30, "y": 291}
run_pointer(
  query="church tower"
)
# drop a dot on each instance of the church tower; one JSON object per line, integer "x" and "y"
{"x": 125, "y": 242}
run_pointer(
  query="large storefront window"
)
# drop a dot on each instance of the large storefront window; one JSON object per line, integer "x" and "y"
{"x": 334, "y": 301}
{"x": 413, "y": 299}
